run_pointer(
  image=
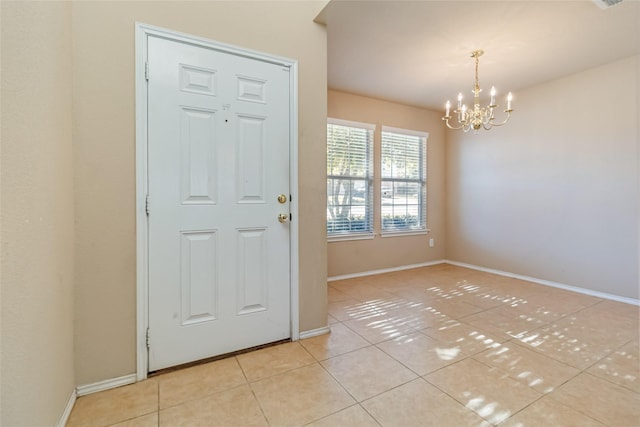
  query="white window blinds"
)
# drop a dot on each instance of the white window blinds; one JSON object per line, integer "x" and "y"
{"x": 403, "y": 180}
{"x": 349, "y": 177}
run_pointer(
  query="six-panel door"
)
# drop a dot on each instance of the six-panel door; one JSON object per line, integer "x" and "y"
{"x": 218, "y": 144}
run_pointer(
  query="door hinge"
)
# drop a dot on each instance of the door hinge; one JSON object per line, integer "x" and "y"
{"x": 146, "y": 205}
{"x": 146, "y": 71}
{"x": 148, "y": 344}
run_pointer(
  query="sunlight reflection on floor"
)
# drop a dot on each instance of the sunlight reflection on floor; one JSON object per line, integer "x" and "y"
{"x": 476, "y": 319}
{"x": 448, "y": 353}
{"x": 487, "y": 410}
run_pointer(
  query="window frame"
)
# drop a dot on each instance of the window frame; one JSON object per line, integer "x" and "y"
{"x": 369, "y": 233}
{"x": 422, "y": 181}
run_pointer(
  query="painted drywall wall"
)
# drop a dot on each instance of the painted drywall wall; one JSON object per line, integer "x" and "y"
{"x": 356, "y": 256}
{"x": 554, "y": 194}
{"x": 104, "y": 149}
{"x": 37, "y": 214}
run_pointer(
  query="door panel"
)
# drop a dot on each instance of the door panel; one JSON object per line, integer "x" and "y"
{"x": 218, "y": 157}
{"x": 198, "y": 281}
{"x": 252, "y": 282}
{"x": 199, "y": 160}
{"x": 250, "y": 155}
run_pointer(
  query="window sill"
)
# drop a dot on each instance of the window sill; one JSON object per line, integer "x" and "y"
{"x": 397, "y": 233}
{"x": 346, "y": 237}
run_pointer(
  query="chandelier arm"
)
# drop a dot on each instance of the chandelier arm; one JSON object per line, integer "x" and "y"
{"x": 453, "y": 127}
{"x": 488, "y": 119}
{"x": 446, "y": 121}
{"x": 505, "y": 120}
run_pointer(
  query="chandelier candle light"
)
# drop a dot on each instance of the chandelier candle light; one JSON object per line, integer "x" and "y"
{"x": 478, "y": 117}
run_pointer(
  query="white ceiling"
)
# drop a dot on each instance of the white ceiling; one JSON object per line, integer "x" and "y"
{"x": 418, "y": 52}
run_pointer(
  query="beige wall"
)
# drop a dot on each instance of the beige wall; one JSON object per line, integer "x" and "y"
{"x": 37, "y": 214}
{"x": 554, "y": 194}
{"x": 104, "y": 149}
{"x": 347, "y": 257}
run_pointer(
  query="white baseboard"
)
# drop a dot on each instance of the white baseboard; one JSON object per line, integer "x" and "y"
{"x": 584, "y": 291}
{"x": 67, "y": 410}
{"x": 384, "y": 270}
{"x": 82, "y": 390}
{"x": 314, "y": 332}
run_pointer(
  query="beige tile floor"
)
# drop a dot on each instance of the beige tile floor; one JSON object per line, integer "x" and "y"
{"x": 436, "y": 346}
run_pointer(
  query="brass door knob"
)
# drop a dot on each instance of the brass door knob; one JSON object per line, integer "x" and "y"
{"x": 282, "y": 198}
{"x": 283, "y": 217}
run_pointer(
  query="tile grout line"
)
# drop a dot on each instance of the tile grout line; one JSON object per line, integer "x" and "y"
{"x": 253, "y": 393}
{"x": 606, "y": 379}
{"x": 457, "y": 401}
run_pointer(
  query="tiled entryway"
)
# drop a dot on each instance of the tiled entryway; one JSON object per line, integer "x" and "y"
{"x": 437, "y": 346}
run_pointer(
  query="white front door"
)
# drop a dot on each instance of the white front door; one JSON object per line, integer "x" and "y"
{"x": 218, "y": 160}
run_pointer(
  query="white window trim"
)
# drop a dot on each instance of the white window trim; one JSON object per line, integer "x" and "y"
{"x": 368, "y": 235}
{"x": 351, "y": 123}
{"x": 415, "y": 232}
{"x": 351, "y": 236}
{"x": 396, "y": 233}
{"x": 410, "y": 132}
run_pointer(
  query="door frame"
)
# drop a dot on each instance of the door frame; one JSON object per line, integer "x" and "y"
{"x": 142, "y": 33}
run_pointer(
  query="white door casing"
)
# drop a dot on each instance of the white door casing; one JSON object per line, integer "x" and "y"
{"x": 217, "y": 266}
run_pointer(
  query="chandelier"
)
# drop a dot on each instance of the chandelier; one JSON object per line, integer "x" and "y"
{"x": 478, "y": 117}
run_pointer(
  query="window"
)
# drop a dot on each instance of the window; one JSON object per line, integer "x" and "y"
{"x": 349, "y": 178}
{"x": 403, "y": 180}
